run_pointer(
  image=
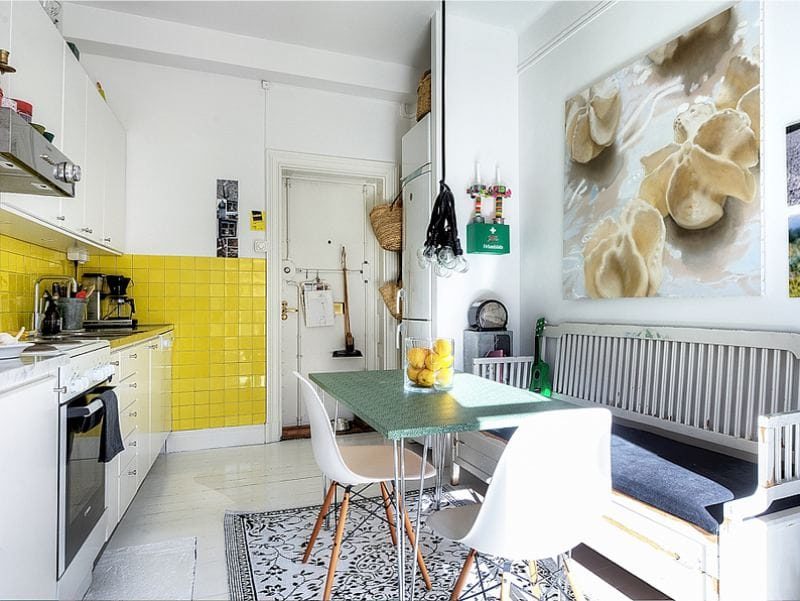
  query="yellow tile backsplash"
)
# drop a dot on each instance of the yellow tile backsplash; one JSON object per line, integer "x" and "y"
{"x": 20, "y": 264}
{"x": 218, "y": 307}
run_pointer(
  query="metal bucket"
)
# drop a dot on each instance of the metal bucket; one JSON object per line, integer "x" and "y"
{"x": 73, "y": 312}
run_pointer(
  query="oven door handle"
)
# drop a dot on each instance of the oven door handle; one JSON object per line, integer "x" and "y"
{"x": 85, "y": 411}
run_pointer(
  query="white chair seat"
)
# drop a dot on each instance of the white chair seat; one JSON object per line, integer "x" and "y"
{"x": 375, "y": 463}
{"x": 454, "y": 523}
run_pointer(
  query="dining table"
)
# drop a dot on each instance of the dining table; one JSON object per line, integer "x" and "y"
{"x": 379, "y": 398}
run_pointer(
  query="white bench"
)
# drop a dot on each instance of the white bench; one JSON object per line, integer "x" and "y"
{"x": 733, "y": 392}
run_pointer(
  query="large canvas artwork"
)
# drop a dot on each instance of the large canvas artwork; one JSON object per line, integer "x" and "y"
{"x": 662, "y": 193}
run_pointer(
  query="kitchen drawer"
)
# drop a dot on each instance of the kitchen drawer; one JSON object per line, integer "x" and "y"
{"x": 129, "y": 418}
{"x": 133, "y": 359}
{"x": 129, "y": 391}
{"x": 131, "y": 447}
{"x": 128, "y": 484}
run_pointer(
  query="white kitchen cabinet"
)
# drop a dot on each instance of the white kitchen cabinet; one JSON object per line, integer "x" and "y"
{"x": 143, "y": 384}
{"x": 94, "y": 185}
{"x": 37, "y": 53}
{"x": 73, "y": 138}
{"x": 29, "y": 499}
{"x": 160, "y": 393}
{"x": 114, "y": 205}
{"x": 66, "y": 101}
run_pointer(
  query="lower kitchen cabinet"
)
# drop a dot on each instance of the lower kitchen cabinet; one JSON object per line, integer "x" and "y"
{"x": 29, "y": 499}
{"x": 143, "y": 383}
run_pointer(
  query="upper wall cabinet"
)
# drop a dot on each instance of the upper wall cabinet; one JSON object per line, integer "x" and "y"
{"x": 67, "y": 103}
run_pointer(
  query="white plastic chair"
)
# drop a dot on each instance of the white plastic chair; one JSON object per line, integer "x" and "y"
{"x": 551, "y": 485}
{"x": 351, "y": 466}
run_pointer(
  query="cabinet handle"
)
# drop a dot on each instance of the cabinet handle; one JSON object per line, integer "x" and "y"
{"x": 152, "y": 347}
{"x": 133, "y": 356}
{"x": 88, "y": 230}
{"x": 132, "y": 473}
{"x": 133, "y": 385}
{"x": 133, "y": 443}
{"x": 107, "y": 239}
{"x": 115, "y": 363}
{"x": 133, "y": 414}
{"x": 61, "y": 217}
{"x": 60, "y": 390}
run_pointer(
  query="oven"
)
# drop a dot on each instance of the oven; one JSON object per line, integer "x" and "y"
{"x": 82, "y": 478}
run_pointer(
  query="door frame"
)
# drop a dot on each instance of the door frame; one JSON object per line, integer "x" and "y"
{"x": 281, "y": 163}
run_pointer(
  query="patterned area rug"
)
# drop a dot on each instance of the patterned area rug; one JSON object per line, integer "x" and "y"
{"x": 264, "y": 552}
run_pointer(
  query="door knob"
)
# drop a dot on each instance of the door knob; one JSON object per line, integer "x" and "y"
{"x": 286, "y": 309}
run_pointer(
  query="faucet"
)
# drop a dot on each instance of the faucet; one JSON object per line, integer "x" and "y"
{"x": 37, "y": 299}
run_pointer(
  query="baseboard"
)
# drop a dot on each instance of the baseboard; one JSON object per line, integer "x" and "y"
{"x": 215, "y": 438}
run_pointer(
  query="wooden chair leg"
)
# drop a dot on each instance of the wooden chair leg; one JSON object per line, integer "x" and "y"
{"x": 573, "y": 584}
{"x": 533, "y": 574}
{"x": 337, "y": 544}
{"x": 387, "y": 505}
{"x": 505, "y": 582}
{"x": 462, "y": 577}
{"x": 320, "y": 518}
{"x": 423, "y": 570}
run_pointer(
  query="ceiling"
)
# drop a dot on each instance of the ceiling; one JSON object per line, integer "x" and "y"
{"x": 385, "y": 30}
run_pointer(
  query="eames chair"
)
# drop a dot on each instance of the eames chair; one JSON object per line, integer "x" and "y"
{"x": 348, "y": 467}
{"x": 551, "y": 485}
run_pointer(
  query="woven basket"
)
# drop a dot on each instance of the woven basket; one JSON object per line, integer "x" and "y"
{"x": 424, "y": 95}
{"x": 387, "y": 223}
{"x": 389, "y": 293}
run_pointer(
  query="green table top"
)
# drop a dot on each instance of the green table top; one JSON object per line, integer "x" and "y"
{"x": 474, "y": 403}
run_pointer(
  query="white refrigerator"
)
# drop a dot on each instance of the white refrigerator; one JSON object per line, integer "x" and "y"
{"x": 416, "y": 179}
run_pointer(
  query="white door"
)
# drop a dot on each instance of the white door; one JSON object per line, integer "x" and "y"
{"x": 322, "y": 215}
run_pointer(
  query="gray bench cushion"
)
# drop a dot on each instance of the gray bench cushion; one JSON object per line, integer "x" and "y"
{"x": 680, "y": 479}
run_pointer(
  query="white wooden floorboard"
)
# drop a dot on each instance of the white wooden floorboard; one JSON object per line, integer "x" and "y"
{"x": 187, "y": 494}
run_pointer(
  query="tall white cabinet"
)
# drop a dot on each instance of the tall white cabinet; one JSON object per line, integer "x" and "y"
{"x": 67, "y": 103}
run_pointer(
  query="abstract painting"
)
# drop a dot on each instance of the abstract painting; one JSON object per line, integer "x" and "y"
{"x": 793, "y": 164}
{"x": 662, "y": 191}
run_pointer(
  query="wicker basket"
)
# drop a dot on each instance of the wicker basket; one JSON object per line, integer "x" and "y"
{"x": 389, "y": 293}
{"x": 424, "y": 95}
{"x": 387, "y": 223}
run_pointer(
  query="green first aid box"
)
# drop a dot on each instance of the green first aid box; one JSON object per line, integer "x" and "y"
{"x": 488, "y": 238}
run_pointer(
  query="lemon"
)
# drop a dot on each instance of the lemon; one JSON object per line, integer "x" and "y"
{"x": 425, "y": 378}
{"x": 444, "y": 377}
{"x": 443, "y": 347}
{"x": 433, "y": 362}
{"x": 412, "y": 373}
{"x": 416, "y": 357}
{"x": 446, "y": 361}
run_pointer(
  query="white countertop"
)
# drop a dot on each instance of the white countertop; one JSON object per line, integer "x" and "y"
{"x": 30, "y": 366}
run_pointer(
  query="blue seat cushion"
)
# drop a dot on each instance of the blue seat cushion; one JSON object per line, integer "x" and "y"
{"x": 685, "y": 481}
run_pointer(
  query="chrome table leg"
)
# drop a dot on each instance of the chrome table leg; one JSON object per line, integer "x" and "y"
{"x": 417, "y": 533}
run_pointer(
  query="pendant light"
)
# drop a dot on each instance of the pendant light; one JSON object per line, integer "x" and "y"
{"x": 442, "y": 248}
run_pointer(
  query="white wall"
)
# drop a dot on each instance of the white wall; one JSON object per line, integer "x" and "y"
{"x": 188, "y": 128}
{"x": 617, "y": 35}
{"x": 481, "y": 125}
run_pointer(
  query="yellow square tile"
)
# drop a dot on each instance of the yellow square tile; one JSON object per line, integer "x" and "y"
{"x": 216, "y": 422}
{"x": 187, "y": 263}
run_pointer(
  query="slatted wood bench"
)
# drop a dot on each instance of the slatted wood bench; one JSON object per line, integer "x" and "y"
{"x": 735, "y": 393}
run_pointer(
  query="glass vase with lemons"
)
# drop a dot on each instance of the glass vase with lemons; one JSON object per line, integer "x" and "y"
{"x": 428, "y": 364}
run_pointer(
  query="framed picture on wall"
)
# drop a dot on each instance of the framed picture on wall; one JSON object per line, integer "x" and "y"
{"x": 793, "y": 164}
{"x": 662, "y": 163}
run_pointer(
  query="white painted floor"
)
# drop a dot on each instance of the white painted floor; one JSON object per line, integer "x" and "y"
{"x": 187, "y": 494}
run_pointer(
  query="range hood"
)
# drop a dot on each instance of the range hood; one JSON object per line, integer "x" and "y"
{"x": 29, "y": 164}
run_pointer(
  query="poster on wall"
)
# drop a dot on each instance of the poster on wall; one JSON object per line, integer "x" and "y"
{"x": 793, "y": 164}
{"x": 662, "y": 191}
{"x": 227, "y": 217}
{"x": 794, "y": 252}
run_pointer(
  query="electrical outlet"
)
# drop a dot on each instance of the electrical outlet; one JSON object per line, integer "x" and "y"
{"x": 260, "y": 246}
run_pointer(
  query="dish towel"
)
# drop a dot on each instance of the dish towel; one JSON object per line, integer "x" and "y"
{"x": 111, "y": 443}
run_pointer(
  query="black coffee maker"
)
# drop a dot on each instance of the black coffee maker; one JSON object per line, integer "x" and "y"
{"x": 120, "y": 308}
